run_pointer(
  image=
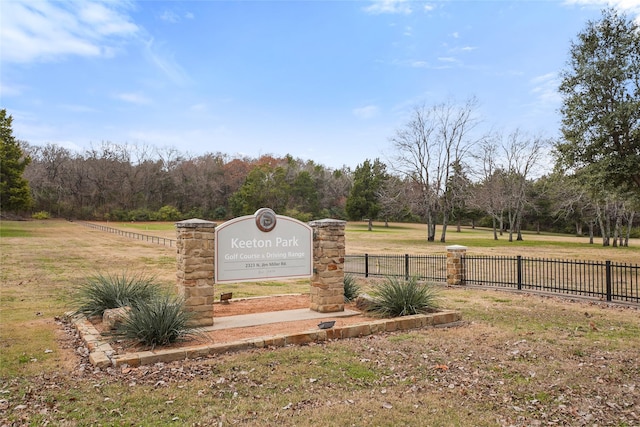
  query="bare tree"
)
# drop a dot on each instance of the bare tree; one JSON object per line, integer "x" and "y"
{"x": 426, "y": 148}
{"x": 571, "y": 201}
{"x": 46, "y": 175}
{"x": 523, "y": 154}
{"x": 393, "y": 200}
{"x": 506, "y": 166}
{"x": 489, "y": 195}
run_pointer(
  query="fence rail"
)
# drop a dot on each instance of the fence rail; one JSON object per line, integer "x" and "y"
{"x": 148, "y": 238}
{"x": 598, "y": 279}
{"x": 427, "y": 267}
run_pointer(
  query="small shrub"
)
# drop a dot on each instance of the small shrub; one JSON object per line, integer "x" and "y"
{"x": 159, "y": 321}
{"x": 398, "y": 297}
{"x": 140, "y": 215}
{"x": 351, "y": 288}
{"x": 101, "y": 292}
{"x": 41, "y": 215}
{"x": 168, "y": 213}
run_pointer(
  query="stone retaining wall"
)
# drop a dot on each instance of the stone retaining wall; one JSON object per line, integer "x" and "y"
{"x": 102, "y": 354}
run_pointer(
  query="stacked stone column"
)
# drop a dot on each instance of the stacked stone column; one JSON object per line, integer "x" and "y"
{"x": 327, "y": 282}
{"x": 195, "y": 268}
{"x": 455, "y": 265}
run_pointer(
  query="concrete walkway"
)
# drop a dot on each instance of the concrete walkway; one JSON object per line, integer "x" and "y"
{"x": 245, "y": 320}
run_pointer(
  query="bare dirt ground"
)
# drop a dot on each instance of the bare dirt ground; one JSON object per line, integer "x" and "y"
{"x": 257, "y": 305}
{"x": 270, "y": 304}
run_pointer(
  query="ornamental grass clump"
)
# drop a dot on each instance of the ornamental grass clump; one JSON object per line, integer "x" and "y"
{"x": 351, "y": 288}
{"x": 399, "y": 297}
{"x": 102, "y": 292}
{"x": 160, "y": 321}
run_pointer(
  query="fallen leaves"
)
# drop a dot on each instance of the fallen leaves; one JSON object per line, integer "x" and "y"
{"x": 546, "y": 375}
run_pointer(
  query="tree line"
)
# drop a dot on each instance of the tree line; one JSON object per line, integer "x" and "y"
{"x": 492, "y": 185}
{"x": 124, "y": 182}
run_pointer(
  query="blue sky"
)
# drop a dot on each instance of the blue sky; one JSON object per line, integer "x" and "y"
{"x": 328, "y": 81}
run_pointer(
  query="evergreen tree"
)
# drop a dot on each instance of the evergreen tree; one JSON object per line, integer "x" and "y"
{"x": 601, "y": 103}
{"x": 15, "y": 195}
{"x": 363, "y": 200}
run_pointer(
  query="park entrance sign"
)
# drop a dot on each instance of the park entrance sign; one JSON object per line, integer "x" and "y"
{"x": 263, "y": 246}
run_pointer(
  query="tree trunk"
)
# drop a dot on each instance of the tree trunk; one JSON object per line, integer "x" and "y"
{"x": 591, "y": 227}
{"x": 370, "y": 224}
{"x": 445, "y": 222}
{"x": 495, "y": 228}
{"x": 511, "y": 226}
{"x": 431, "y": 227}
{"x": 458, "y": 226}
{"x": 616, "y": 230}
{"x": 519, "y": 227}
{"x": 604, "y": 229}
{"x": 629, "y": 227}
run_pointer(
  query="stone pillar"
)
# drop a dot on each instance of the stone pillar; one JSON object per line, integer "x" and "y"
{"x": 327, "y": 282}
{"x": 195, "y": 266}
{"x": 455, "y": 265}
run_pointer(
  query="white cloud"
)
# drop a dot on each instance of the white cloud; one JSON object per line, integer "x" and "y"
{"x": 366, "y": 112}
{"x": 389, "y": 6}
{"x": 133, "y": 98}
{"x": 10, "y": 90}
{"x": 545, "y": 92}
{"x": 632, "y": 7}
{"x": 419, "y": 64}
{"x": 165, "y": 62}
{"x": 105, "y": 21}
{"x": 618, "y": 4}
{"x": 173, "y": 18}
{"x": 47, "y": 30}
{"x": 78, "y": 108}
{"x": 170, "y": 16}
{"x": 198, "y": 107}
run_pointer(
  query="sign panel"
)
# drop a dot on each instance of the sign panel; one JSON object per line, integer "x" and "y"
{"x": 263, "y": 246}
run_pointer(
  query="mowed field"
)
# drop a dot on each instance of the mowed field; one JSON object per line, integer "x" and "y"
{"x": 517, "y": 359}
{"x": 400, "y": 238}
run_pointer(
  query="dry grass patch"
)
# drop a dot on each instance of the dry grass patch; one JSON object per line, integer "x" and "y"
{"x": 518, "y": 360}
{"x": 401, "y": 238}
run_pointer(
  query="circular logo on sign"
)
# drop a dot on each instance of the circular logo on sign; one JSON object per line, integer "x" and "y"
{"x": 265, "y": 219}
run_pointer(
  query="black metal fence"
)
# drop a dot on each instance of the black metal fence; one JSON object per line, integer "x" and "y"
{"x": 598, "y": 279}
{"x": 131, "y": 235}
{"x": 427, "y": 267}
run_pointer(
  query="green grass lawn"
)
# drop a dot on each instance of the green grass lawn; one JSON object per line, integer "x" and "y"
{"x": 517, "y": 359}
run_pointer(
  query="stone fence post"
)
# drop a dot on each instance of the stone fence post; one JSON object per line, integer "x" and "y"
{"x": 195, "y": 268}
{"x": 455, "y": 265}
{"x": 327, "y": 282}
